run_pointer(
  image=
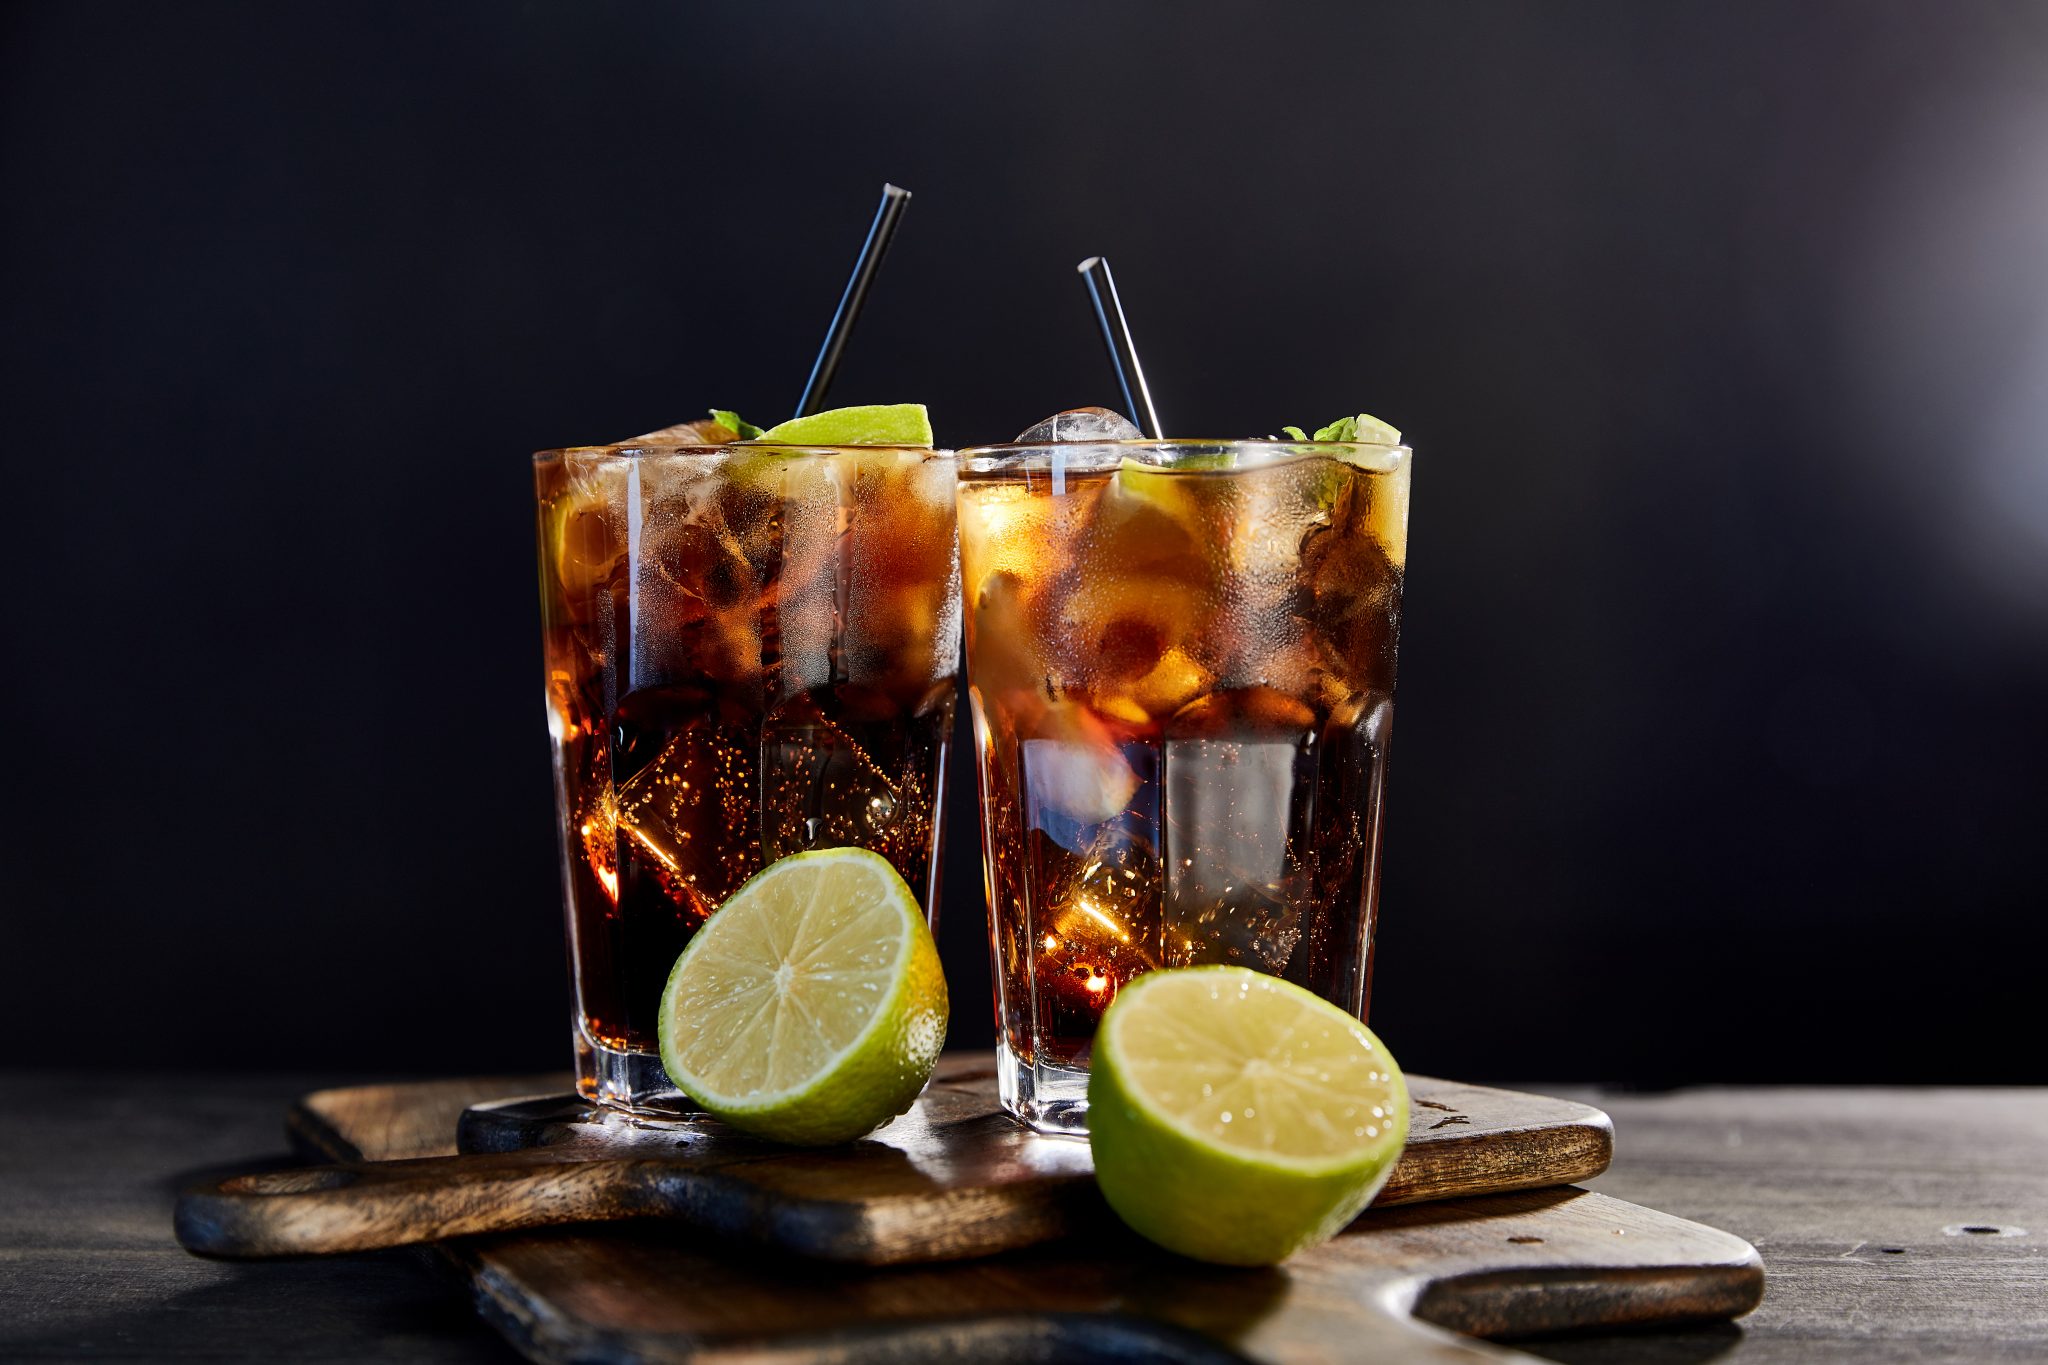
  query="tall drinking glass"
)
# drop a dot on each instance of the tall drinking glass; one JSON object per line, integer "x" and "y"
{"x": 1180, "y": 657}
{"x": 750, "y": 651}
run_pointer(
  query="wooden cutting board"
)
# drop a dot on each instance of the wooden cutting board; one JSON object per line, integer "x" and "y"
{"x": 1500, "y": 1265}
{"x": 954, "y": 1178}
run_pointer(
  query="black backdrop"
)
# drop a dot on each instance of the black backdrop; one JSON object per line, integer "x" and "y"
{"x": 1721, "y": 331}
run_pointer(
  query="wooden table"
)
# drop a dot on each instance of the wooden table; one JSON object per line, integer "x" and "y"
{"x": 1863, "y": 1203}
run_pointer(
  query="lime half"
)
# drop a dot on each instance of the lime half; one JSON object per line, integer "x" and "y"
{"x": 810, "y": 1008}
{"x": 1237, "y": 1118}
{"x": 877, "y": 424}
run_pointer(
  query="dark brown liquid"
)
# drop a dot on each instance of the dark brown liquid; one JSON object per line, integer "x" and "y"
{"x": 705, "y": 800}
{"x": 1242, "y": 845}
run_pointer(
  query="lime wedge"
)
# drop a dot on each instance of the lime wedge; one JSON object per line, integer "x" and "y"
{"x": 810, "y": 1008}
{"x": 1141, "y": 487}
{"x": 877, "y": 424}
{"x": 1236, "y": 1118}
{"x": 1371, "y": 429}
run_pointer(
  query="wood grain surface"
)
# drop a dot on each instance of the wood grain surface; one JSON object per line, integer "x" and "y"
{"x": 1536, "y": 1261}
{"x": 1897, "y": 1225}
{"x": 1846, "y": 1191}
{"x": 954, "y": 1178}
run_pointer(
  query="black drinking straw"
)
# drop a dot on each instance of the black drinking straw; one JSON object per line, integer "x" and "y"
{"x": 1116, "y": 334}
{"x": 864, "y": 272}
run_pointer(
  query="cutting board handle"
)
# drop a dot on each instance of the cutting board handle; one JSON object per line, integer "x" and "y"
{"x": 321, "y": 1210}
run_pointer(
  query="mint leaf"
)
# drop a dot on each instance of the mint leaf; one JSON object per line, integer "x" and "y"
{"x": 1364, "y": 428}
{"x": 747, "y": 430}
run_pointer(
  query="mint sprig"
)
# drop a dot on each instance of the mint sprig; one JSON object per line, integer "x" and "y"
{"x": 726, "y": 417}
{"x": 1363, "y": 427}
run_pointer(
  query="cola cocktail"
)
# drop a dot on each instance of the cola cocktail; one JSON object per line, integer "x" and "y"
{"x": 750, "y": 651}
{"x": 1180, "y": 657}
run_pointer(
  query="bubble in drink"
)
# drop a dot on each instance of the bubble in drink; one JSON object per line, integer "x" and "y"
{"x": 853, "y": 773}
{"x": 1097, "y": 927}
{"x": 676, "y": 814}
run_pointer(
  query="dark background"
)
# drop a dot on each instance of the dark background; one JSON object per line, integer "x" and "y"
{"x": 1721, "y": 331}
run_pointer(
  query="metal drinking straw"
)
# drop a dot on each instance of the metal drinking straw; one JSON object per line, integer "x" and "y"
{"x": 1116, "y": 334}
{"x": 894, "y": 198}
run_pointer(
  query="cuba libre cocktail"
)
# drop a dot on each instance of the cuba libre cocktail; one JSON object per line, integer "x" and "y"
{"x": 1181, "y": 664}
{"x": 750, "y": 652}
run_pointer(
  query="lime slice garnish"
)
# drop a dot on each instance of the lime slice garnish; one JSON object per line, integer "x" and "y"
{"x": 1371, "y": 430}
{"x": 1160, "y": 488}
{"x": 1206, "y": 462}
{"x": 1237, "y": 1118}
{"x": 810, "y": 1008}
{"x": 876, "y": 424}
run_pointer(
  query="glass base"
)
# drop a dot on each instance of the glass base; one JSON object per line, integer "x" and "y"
{"x": 1051, "y": 1098}
{"x": 629, "y": 1081}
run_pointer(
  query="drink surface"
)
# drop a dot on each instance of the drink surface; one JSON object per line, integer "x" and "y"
{"x": 1182, "y": 681}
{"x": 749, "y": 652}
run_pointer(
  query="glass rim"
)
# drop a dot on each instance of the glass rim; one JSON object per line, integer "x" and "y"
{"x": 990, "y": 458}
{"x": 633, "y": 450}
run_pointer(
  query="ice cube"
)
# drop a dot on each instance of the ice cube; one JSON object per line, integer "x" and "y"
{"x": 588, "y": 533}
{"x": 1118, "y": 626}
{"x": 1354, "y": 595}
{"x": 825, "y": 787}
{"x": 1257, "y": 714}
{"x": 695, "y": 615}
{"x": 1075, "y": 769}
{"x": 1007, "y": 657}
{"x": 687, "y": 816}
{"x": 597, "y": 833}
{"x": 813, "y": 579}
{"x": 1239, "y": 779}
{"x": 1081, "y": 424}
{"x": 1086, "y": 783}
{"x": 1251, "y": 926}
{"x": 1098, "y": 920}
{"x": 1174, "y": 682}
{"x": 901, "y": 619}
